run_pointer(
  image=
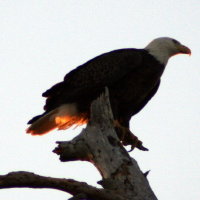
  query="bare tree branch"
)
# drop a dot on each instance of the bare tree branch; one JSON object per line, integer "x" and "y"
{"x": 99, "y": 144}
{"x": 31, "y": 180}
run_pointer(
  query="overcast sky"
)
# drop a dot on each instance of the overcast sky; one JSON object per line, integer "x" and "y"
{"x": 42, "y": 40}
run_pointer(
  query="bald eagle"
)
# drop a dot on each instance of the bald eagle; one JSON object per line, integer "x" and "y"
{"x": 131, "y": 75}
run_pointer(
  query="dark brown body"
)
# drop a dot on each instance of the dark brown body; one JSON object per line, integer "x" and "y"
{"x": 132, "y": 76}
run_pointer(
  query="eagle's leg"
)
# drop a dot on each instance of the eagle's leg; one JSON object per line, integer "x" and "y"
{"x": 127, "y": 137}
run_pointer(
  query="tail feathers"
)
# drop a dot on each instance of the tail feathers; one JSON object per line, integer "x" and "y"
{"x": 62, "y": 118}
{"x": 35, "y": 118}
{"x": 42, "y": 125}
{"x": 68, "y": 121}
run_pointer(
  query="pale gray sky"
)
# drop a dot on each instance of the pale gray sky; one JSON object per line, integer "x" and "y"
{"x": 42, "y": 40}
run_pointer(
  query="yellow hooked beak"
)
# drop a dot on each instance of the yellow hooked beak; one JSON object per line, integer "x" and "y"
{"x": 183, "y": 49}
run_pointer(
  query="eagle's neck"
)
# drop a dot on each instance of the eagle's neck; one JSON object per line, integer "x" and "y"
{"x": 160, "y": 51}
{"x": 159, "y": 56}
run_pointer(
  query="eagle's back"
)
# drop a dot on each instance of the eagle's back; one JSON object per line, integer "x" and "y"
{"x": 87, "y": 81}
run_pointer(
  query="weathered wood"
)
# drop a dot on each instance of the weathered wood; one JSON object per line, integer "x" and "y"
{"x": 98, "y": 143}
{"x": 31, "y": 180}
{"x": 120, "y": 173}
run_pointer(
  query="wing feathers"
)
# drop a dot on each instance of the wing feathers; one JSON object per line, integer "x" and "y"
{"x": 94, "y": 75}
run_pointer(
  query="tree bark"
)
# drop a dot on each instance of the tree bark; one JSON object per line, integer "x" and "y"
{"x": 97, "y": 143}
{"x": 31, "y": 180}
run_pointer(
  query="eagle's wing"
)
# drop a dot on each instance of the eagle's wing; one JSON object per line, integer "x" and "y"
{"x": 129, "y": 113}
{"x": 92, "y": 76}
{"x": 147, "y": 99}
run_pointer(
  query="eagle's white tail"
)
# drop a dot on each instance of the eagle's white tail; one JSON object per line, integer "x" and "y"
{"x": 62, "y": 117}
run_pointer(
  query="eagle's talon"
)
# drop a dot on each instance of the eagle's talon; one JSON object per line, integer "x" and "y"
{"x": 127, "y": 137}
{"x": 143, "y": 148}
{"x": 132, "y": 148}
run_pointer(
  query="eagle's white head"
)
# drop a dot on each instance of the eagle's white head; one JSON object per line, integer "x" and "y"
{"x": 163, "y": 48}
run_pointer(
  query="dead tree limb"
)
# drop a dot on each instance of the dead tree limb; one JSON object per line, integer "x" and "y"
{"x": 31, "y": 180}
{"x": 97, "y": 143}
